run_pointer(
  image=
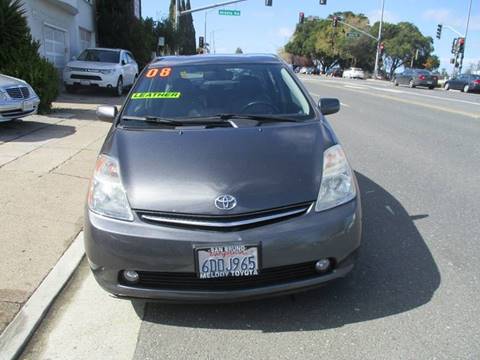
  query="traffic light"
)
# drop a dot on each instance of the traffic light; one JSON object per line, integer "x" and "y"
{"x": 323, "y": 2}
{"x": 382, "y": 49}
{"x": 461, "y": 45}
{"x": 439, "y": 31}
{"x": 335, "y": 21}
{"x": 201, "y": 42}
{"x": 301, "y": 18}
{"x": 268, "y": 2}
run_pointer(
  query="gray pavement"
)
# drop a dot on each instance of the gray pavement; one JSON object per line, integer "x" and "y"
{"x": 45, "y": 165}
{"x": 415, "y": 291}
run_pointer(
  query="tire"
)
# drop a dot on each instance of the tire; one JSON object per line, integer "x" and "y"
{"x": 447, "y": 86}
{"x": 70, "y": 89}
{"x": 466, "y": 88}
{"x": 411, "y": 84}
{"x": 431, "y": 87}
{"x": 118, "y": 90}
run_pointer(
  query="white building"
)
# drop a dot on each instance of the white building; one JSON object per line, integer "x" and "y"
{"x": 63, "y": 27}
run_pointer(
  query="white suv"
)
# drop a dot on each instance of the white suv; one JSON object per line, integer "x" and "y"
{"x": 113, "y": 69}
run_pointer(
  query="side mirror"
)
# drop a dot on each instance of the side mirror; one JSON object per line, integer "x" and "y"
{"x": 124, "y": 62}
{"x": 106, "y": 113}
{"x": 329, "y": 106}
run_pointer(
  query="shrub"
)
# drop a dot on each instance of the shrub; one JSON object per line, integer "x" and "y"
{"x": 19, "y": 54}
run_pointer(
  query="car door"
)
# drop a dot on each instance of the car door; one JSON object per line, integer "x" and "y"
{"x": 455, "y": 83}
{"x": 127, "y": 73}
{"x": 133, "y": 65}
{"x": 401, "y": 77}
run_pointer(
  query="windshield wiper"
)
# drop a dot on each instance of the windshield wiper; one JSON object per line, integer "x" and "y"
{"x": 155, "y": 120}
{"x": 261, "y": 118}
{"x": 188, "y": 121}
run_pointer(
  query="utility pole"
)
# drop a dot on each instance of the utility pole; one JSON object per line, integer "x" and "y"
{"x": 379, "y": 39}
{"x": 465, "y": 37}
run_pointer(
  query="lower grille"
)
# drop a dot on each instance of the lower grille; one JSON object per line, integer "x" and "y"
{"x": 190, "y": 281}
{"x": 86, "y": 77}
{"x": 18, "y": 92}
{"x": 15, "y": 113}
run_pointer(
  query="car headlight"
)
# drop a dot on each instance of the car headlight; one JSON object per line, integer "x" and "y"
{"x": 3, "y": 95}
{"x": 106, "y": 71}
{"x": 67, "y": 69}
{"x": 338, "y": 186}
{"x": 106, "y": 195}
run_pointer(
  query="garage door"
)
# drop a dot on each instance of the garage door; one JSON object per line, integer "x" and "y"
{"x": 55, "y": 46}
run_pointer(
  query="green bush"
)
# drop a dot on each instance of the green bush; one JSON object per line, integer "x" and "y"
{"x": 19, "y": 54}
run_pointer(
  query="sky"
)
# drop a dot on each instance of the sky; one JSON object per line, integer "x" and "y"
{"x": 262, "y": 29}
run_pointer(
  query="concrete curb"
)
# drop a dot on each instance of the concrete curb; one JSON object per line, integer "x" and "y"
{"x": 19, "y": 331}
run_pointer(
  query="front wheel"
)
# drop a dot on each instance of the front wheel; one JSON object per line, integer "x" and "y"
{"x": 118, "y": 91}
{"x": 411, "y": 84}
{"x": 431, "y": 87}
{"x": 447, "y": 86}
{"x": 466, "y": 88}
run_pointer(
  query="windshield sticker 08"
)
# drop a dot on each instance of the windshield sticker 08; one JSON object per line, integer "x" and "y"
{"x": 156, "y": 95}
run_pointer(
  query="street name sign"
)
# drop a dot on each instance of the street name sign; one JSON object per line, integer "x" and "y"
{"x": 226, "y": 12}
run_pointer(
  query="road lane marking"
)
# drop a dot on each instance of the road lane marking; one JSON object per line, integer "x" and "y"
{"x": 346, "y": 105}
{"x": 355, "y": 87}
{"x": 412, "y": 102}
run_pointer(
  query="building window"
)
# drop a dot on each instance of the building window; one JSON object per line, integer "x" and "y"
{"x": 85, "y": 39}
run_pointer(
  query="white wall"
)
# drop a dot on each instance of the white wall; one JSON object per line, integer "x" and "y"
{"x": 66, "y": 15}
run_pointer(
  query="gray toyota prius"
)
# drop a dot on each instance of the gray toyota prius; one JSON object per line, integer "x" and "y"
{"x": 220, "y": 180}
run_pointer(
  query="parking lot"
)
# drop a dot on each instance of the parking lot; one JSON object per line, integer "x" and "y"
{"x": 412, "y": 295}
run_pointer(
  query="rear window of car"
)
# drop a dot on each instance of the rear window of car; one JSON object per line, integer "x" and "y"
{"x": 106, "y": 56}
{"x": 191, "y": 91}
{"x": 423, "y": 72}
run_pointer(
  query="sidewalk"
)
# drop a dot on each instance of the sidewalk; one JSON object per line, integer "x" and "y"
{"x": 45, "y": 166}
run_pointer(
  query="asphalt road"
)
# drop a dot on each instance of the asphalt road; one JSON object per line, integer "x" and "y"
{"x": 415, "y": 292}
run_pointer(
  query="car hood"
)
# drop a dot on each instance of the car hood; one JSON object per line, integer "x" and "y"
{"x": 9, "y": 81}
{"x": 91, "y": 64}
{"x": 185, "y": 171}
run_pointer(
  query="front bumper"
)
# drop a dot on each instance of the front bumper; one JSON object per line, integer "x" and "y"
{"x": 113, "y": 246}
{"x": 80, "y": 78}
{"x": 17, "y": 108}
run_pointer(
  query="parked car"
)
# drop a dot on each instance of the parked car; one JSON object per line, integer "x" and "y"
{"x": 464, "y": 82}
{"x": 354, "y": 73}
{"x": 335, "y": 72}
{"x": 416, "y": 77}
{"x": 303, "y": 70}
{"x": 181, "y": 209}
{"x": 17, "y": 99}
{"x": 113, "y": 69}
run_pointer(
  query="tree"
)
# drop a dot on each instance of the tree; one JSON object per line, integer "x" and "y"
{"x": 402, "y": 41}
{"x": 239, "y": 51}
{"x": 19, "y": 55}
{"x": 184, "y": 39}
{"x": 432, "y": 63}
{"x": 117, "y": 27}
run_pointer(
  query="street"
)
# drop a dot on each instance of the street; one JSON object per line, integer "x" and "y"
{"x": 413, "y": 294}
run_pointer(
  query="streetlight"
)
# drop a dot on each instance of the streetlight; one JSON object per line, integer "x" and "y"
{"x": 379, "y": 39}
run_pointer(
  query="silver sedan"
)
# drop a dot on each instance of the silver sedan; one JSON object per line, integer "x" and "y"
{"x": 17, "y": 99}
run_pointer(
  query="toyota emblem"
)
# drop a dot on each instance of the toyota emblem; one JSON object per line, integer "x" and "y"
{"x": 225, "y": 202}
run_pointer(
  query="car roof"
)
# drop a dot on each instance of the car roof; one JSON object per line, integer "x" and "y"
{"x": 106, "y": 49}
{"x": 216, "y": 59}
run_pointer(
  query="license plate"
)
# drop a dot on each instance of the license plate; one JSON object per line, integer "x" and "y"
{"x": 85, "y": 83}
{"x": 227, "y": 261}
{"x": 27, "y": 106}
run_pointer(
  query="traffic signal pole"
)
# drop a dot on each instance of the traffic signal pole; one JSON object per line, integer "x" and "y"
{"x": 379, "y": 39}
{"x": 465, "y": 37}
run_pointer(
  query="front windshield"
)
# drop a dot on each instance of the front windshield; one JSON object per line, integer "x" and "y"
{"x": 208, "y": 90}
{"x": 106, "y": 56}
